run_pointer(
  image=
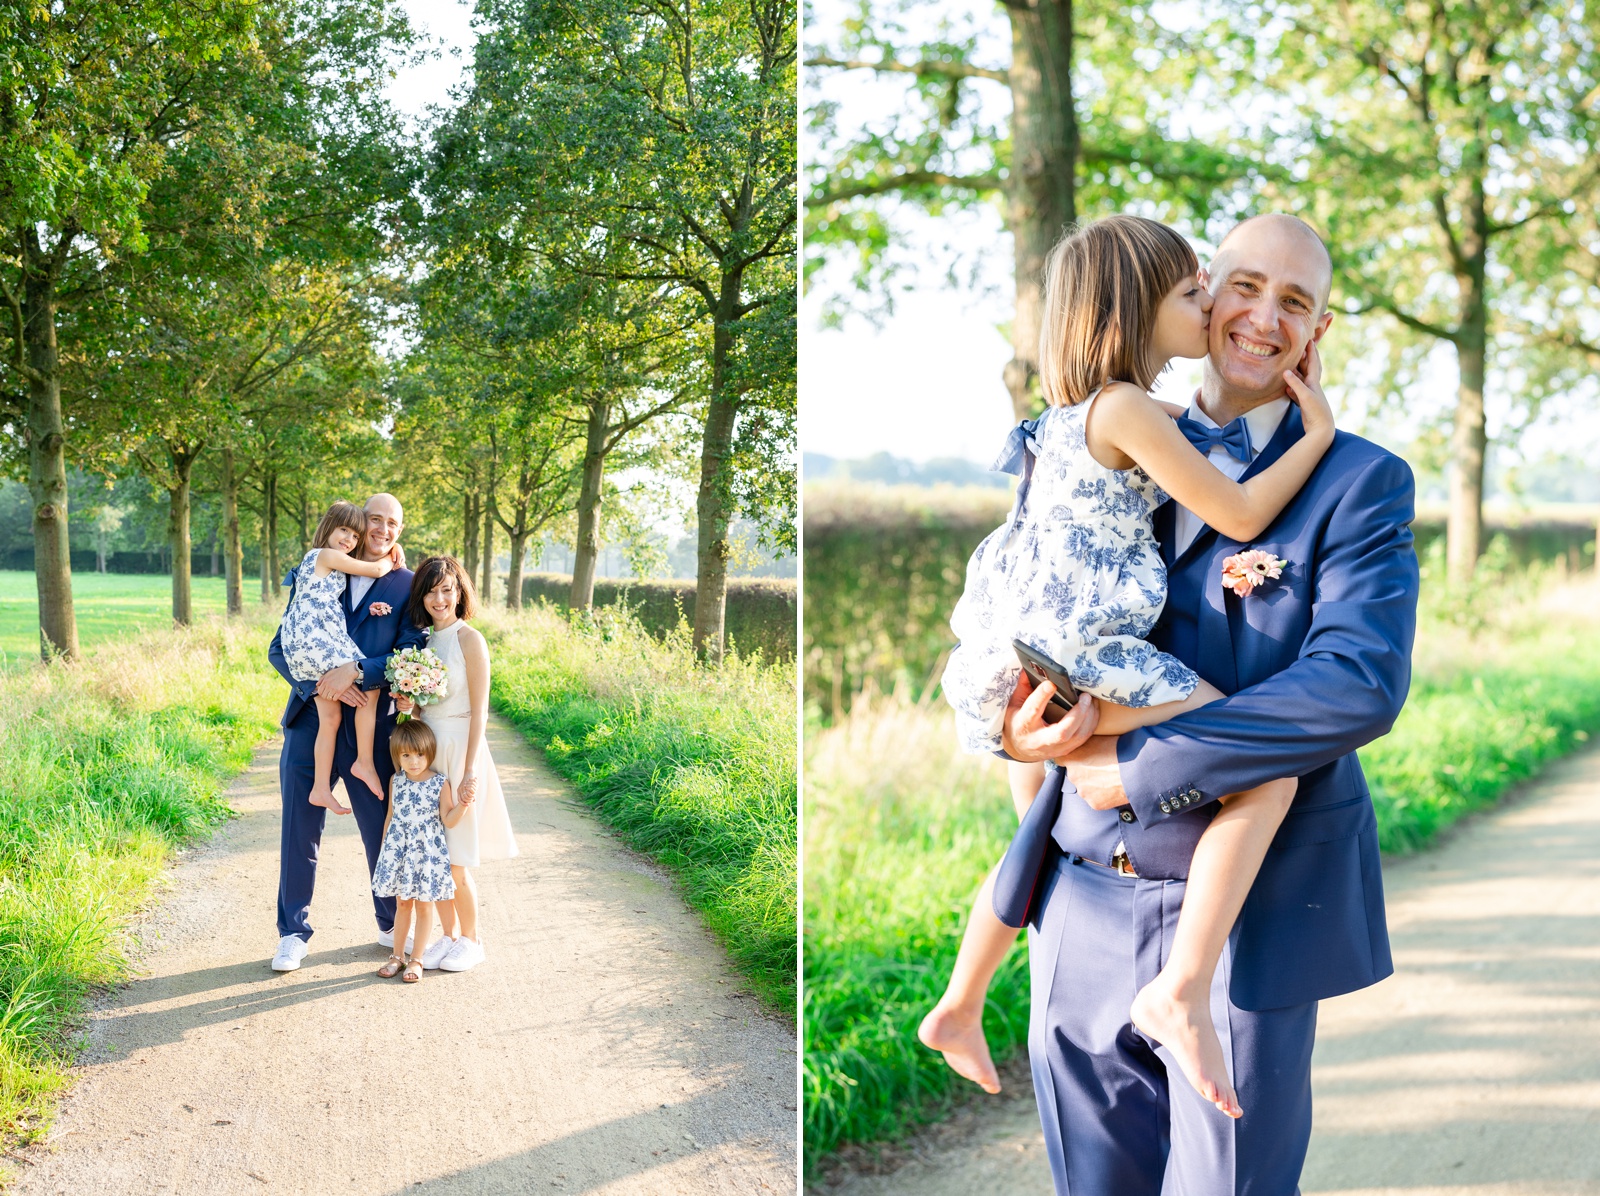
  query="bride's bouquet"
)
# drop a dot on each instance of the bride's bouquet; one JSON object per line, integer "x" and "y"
{"x": 418, "y": 674}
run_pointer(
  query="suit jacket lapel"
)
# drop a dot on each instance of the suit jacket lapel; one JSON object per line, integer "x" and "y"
{"x": 1165, "y": 522}
{"x": 1289, "y": 431}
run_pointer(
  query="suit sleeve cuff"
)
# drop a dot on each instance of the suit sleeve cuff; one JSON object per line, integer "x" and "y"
{"x": 1153, "y": 800}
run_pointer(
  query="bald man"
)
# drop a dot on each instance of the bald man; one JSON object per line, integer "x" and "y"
{"x": 1316, "y": 665}
{"x": 375, "y": 619}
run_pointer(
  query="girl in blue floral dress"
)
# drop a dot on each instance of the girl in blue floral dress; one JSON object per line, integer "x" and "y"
{"x": 1076, "y": 573}
{"x": 414, "y": 863}
{"x": 315, "y": 640}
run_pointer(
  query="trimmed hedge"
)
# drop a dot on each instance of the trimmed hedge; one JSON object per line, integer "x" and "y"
{"x": 761, "y": 614}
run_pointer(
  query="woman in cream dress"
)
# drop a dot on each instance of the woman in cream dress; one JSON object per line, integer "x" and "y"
{"x": 442, "y": 598}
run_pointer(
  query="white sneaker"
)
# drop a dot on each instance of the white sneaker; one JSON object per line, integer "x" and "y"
{"x": 291, "y": 950}
{"x": 463, "y": 957}
{"x": 386, "y": 939}
{"x": 437, "y": 950}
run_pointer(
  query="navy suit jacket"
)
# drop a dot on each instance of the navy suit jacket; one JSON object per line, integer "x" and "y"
{"x": 376, "y": 635}
{"x": 1316, "y": 665}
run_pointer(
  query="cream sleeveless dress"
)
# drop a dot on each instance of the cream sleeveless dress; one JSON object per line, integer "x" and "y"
{"x": 484, "y": 832}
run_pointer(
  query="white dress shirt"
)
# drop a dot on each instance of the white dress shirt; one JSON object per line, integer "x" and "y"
{"x": 359, "y": 585}
{"x": 1262, "y": 423}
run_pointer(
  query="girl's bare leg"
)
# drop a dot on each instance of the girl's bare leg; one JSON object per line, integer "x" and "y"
{"x": 366, "y": 728}
{"x": 423, "y": 928}
{"x": 954, "y": 1026}
{"x": 329, "y": 712}
{"x": 1174, "y": 1009}
{"x": 403, "y": 910}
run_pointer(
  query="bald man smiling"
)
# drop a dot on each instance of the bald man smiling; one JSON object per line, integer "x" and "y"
{"x": 1315, "y": 665}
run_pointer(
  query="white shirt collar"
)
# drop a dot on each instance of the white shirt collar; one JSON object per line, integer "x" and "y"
{"x": 1261, "y": 421}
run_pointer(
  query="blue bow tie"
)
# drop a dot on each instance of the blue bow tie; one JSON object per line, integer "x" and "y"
{"x": 1235, "y": 438}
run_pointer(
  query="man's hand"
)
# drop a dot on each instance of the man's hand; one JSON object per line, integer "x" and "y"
{"x": 1096, "y": 773}
{"x": 340, "y": 683}
{"x": 1028, "y": 738}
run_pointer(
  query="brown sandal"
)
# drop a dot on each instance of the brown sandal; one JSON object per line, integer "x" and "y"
{"x": 408, "y": 975}
{"x": 391, "y": 967}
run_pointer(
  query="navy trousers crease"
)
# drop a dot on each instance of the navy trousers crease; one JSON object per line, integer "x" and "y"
{"x": 1116, "y": 1118}
{"x": 303, "y": 822}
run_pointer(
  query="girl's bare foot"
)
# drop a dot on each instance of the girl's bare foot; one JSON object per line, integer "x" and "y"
{"x": 958, "y": 1036}
{"x": 369, "y": 774}
{"x": 1182, "y": 1023}
{"x": 322, "y": 795}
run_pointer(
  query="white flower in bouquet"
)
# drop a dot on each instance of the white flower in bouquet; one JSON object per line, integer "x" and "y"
{"x": 418, "y": 674}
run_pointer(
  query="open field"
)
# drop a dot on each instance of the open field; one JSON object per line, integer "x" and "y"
{"x": 901, "y": 828}
{"x": 108, "y": 606}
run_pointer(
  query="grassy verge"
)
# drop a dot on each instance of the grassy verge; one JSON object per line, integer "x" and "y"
{"x": 694, "y": 766}
{"x": 109, "y": 606}
{"x": 108, "y": 765}
{"x": 901, "y": 827}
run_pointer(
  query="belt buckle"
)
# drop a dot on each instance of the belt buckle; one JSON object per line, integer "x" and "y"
{"x": 1122, "y": 865}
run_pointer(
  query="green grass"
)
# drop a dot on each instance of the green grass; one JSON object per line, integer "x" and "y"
{"x": 695, "y": 766}
{"x": 108, "y": 606}
{"x": 108, "y": 766}
{"x": 901, "y": 827}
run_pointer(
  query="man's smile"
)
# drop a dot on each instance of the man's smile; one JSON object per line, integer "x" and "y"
{"x": 1252, "y": 347}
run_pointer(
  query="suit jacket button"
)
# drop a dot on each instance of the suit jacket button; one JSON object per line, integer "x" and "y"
{"x": 1166, "y": 807}
{"x": 1126, "y": 816}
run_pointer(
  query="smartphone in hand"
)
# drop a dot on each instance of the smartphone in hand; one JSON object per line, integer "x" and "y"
{"x": 1041, "y": 668}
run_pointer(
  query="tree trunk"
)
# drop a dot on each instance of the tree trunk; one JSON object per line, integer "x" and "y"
{"x": 99, "y": 558}
{"x": 275, "y": 592}
{"x": 488, "y": 548}
{"x": 47, "y": 458}
{"x": 178, "y": 538}
{"x": 519, "y": 549}
{"x": 234, "y": 556}
{"x": 216, "y": 551}
{"x": 469, "y": 531}
{"x": 1040, "y": 198}
{"x": 714, "y": 502}
{"x": 1469, "y": 439}
{"x": 305, "y": 528}
{"x": 587, "y": 548}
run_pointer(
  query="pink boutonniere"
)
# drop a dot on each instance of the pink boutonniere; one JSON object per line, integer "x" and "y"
{"x": 379, "y": 609}
{"x": 1244, "y": 571}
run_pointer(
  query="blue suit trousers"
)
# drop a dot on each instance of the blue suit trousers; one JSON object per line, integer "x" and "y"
{"x": 1118, "y": 1115}
{"x": 303, "y": 822}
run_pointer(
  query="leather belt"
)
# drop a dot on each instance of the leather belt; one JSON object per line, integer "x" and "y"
{"x": 1119, "y": 864}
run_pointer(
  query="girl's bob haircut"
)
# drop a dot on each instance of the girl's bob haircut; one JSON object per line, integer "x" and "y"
{"x": 428, "y": 576}
{"x": 413, "y": 735}
{"x": 1103, "y": 285}
{"x": 341, "y": 514}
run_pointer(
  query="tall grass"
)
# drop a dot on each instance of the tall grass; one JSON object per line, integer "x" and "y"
{"x": 901, "y": 827}
{"x": 695, "y": 766}
{"x": 107, "y": 766}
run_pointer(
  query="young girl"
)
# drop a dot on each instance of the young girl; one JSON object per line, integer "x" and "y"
{"x": 414, "y": 864}
{"x": 1077, "y": 574}
{"x": 315, "y": 639}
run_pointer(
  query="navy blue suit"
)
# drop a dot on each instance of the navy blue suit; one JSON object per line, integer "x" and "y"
{"x": 1316, "y": 665}
{"x": 377, "y": 636}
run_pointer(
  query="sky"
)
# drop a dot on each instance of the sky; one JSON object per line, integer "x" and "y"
{"x": 447, "y": 25}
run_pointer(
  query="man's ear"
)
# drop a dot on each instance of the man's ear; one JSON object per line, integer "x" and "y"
{"x": 1322, "y": 325}
{"x": 1205, "y": 278}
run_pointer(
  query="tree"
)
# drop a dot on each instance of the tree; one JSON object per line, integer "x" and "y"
{"x": 1090, "y": 130}
{"x": 1453, "y": 150}
{"x": 91, "y": 96}
{"x": 651, "y": 144}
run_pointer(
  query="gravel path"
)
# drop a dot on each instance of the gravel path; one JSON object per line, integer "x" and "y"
{"x": 1473, "y": 1071}
{"x": 606, "y": 1046}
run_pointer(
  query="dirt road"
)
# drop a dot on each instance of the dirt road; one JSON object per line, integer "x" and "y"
{"x": 606, "y": 1047}
{"x": 1473, "y": 1071}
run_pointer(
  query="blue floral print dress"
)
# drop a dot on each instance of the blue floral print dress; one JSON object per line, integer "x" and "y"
{"x": 1076, "y": 574}
{"x": 415, "y": 863}
{"x": 314, "y": 635}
